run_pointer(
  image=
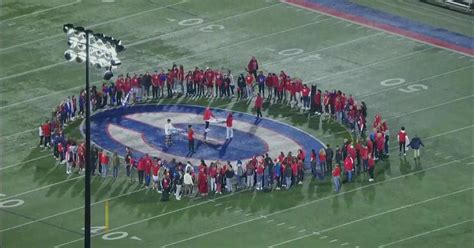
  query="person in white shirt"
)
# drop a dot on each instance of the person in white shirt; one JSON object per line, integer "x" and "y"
{"x": 188, "y": 184}
{"x": 41, "y": 135}
{"x": 169, "y": 130}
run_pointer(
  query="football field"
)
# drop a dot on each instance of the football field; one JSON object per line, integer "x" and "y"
{"x": 426, "y": 88}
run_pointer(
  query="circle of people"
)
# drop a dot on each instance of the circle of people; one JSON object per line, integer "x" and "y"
{"x": 261, "y": 172}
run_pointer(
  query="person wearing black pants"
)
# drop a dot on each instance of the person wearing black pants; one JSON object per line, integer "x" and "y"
{"x": 259, "y": 105}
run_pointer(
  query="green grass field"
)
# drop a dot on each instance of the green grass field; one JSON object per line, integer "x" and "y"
{"x": 426, "y": 89}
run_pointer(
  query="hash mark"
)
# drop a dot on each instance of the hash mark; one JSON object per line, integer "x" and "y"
{"x": 268, "y": 221}
{"x": 323, "y": 237}
{"x": 300, "y": 231}
{"x": 334, "y": 240}
{"x": 291, "y": 227}
{"x": 218, "y": 204}
{"x": 283, "y": 223}
{"x": 344, "y": 244}
{"x": 136, "y": 238}
{"x": 248, "y": 214}
{"x": 448, "y": 157}
{"x": 228, "y": 207}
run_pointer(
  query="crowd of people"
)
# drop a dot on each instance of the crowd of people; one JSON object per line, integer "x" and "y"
{"x": 262, "y": 172}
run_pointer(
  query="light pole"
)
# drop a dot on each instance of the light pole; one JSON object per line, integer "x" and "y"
{"x": 102, "y": 53}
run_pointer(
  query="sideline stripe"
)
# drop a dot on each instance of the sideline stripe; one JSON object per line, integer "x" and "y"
{"x": 378, "y": 214}
{"x": 92, "y": 26}
{"x": 387, "y": 28}
{"x": 274, "y": 213}
{"x": 39, "y": 11}
{"x": 425, "y": 233}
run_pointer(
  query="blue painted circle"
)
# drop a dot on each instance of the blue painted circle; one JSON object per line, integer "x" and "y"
{"x": 243, "y": 146}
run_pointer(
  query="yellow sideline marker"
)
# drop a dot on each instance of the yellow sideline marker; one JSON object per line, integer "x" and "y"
{"x": 106, "y": 216}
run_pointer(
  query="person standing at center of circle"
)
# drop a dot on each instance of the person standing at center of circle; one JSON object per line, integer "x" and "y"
{"x": 229, "y": 122}
{"x": 207, "y": 117}
{"x": 402, "y": 140}
{"x": 190, "y": 139}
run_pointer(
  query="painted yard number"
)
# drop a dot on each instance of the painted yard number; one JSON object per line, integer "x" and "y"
{"x": 10, "y": 203}
{"x": 298, "y": 51}
{"x": 398, "y": 81}
{"x": 111, "y": 235}
{"x": 196, "y": 21}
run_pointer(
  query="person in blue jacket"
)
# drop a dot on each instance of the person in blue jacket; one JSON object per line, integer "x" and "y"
{"x": 416, "y": 144}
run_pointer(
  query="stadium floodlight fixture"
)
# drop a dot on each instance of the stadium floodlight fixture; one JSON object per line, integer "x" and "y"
{"x": 99, "y": 51}
{"x": 70, "y": 55}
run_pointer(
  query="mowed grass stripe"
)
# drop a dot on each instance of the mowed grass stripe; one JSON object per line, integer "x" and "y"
{"x": 375, "y": 215}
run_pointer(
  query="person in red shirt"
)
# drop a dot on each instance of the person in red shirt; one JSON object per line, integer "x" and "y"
{"x": 119, "y": 86}
{"x": 180, "y": 78}
{"x": 170, "y": 82}
{"x": 249, "y": 85}
{"x": 322, "y": 162}
{"x": 379, "y": 144}
{"x": 294, "y": 171}
{"x": 155, "y": 167}
{"x": 209, "y": 82}
{"x": 190, "y": 140}
{"x": 136, "y": 90}
{"x": 155, "y": 83}
{"x": 371, "y": 165}
{"x": 141, "y": 170}
{"x": 219, "y": 82}
{"x": 190, "y": 91}
{"x": 258, "y": 105}
{"x": 364, "y": 156}
{"x": 202, "y": 182}
{"x": 370, "y": 147}
{"x": 46, "y": 129}
{"x": 207, "y": 117}
{"x": 348, "y": 168}
{"x": 336, "y": 178}
{"x": 305, "y": 91}
{"x": 252, "y": 66}
{"x": 228, "y": 123}
{"x": 402, "y": 140}
{"x": 148, "y": 166}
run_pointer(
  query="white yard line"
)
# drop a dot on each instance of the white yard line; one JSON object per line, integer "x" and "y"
{"x": 92, "y": 26}
{"x": 376, "y": 215}
{"x": 287, "y": 59}
{"x": 44, "y": 187}
{"x": 375, "y": 28}
{"x": 22, "y": 132}
{"x": 294, "y": 207}
{"x": 432, "y": 107}
{"x": 157, "y": 216}
{"x": 40, "y": 11}
{"x": 425, "y": 233}
{"x": 24, "y": 162}
{"x": 416, "y": 81}
{"x": 34, "y": 70}
{"x": 371, "y": 64}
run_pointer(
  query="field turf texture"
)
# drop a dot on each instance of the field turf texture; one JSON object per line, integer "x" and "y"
{"x": 427, "y": 89}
